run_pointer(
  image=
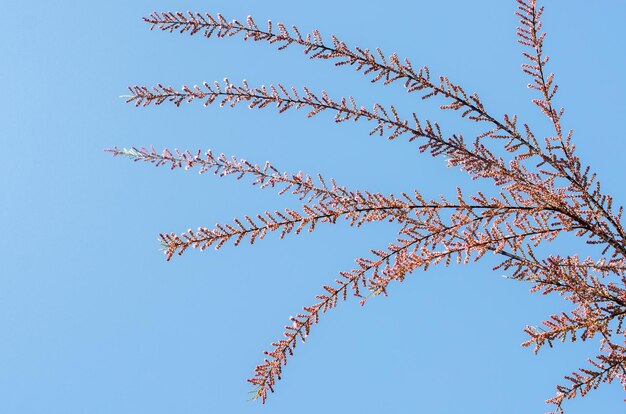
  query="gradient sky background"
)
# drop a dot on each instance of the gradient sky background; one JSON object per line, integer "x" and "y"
{"x": 94, "y": 320}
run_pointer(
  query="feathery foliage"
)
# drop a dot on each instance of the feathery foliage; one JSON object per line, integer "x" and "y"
{"x": 545, "y": 191}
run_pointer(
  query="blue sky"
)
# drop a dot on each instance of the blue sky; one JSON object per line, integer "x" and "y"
{"x": 94, "y": 320}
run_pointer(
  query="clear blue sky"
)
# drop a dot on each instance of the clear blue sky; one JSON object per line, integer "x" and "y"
{"x": 94, "y": 320}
